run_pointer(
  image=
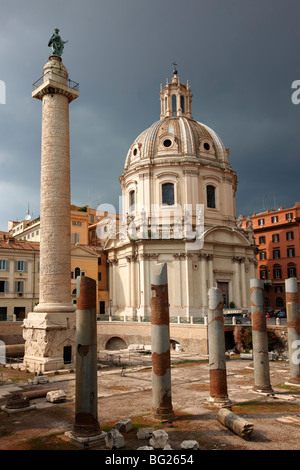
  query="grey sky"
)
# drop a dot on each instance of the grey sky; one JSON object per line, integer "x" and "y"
{"x": 240, "y": 58}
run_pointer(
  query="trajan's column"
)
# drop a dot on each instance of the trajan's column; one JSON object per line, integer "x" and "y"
{"x": 49, "y": 331}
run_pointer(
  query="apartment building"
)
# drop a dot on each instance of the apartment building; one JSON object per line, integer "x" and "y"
{"x": 19, "y": 277}
{"x": 277, "y": 234}
{"x": 89, "y": 230}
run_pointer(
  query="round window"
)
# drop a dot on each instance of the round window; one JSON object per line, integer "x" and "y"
{"x": 206, "y": 146}
{"x": 167, "y": 143}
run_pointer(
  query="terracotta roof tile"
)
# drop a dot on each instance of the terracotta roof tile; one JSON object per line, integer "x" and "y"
{"x": 13, "y": 244}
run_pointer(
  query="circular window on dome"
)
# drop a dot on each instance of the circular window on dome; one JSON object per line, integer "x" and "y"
{"x": 167, "y": 143}
{"x": 206, "y": 146}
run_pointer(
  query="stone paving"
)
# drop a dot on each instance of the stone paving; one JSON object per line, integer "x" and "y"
{"x": 126, "y": 393}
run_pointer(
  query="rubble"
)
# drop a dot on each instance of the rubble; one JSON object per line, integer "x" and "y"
{"x": 56, "y": 396}
{"x": 145, "y": 433}
{"x": 159, "y": 439}
{"x": 114, "y": 439}
{"x": 194, "y": 445}
{"x": 123, "y": 425}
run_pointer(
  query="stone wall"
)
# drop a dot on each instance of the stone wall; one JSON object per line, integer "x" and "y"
{"x": 11, "y": 332}
{"x": 193, "y": 338}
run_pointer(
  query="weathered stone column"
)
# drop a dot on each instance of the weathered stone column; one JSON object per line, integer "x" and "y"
{"x": 51, "y": 327}
{"x": 293, "y": 328}
{"x": 160, "y": 344}
{"x": 216, "y": 349}
{"x": 259, "y": 339}
{"x": 86, "y": 413}
{"x": 86, "y": 427}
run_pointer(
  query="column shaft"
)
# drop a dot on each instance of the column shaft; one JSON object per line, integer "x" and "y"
{"x": 216, "y": 347}
{"x": 160, "y": 343}
{"x": 55, "y": 250}
{"x": 293, "y": 327}
{"x": 259, "y": 338}
{"x": 86, "y": 403}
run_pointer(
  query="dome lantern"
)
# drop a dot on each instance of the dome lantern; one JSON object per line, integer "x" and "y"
{"x": 175, "y": 98}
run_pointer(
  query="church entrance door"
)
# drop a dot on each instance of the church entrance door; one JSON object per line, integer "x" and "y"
{"x": 223, "y": 286}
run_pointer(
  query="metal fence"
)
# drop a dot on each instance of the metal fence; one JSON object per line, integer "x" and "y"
{"x": 181, "y": 320}
{"x": 50, "y": 75}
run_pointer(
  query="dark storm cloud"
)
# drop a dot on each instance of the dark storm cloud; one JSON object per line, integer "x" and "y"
{"x": 240, "y": 58}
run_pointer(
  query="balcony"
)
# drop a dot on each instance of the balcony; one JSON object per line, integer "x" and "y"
{"x": 55, "y": 78}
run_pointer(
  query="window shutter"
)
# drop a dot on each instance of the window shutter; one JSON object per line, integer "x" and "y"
{"x": 25, "y": 266}
{"x": 6, "y": 286}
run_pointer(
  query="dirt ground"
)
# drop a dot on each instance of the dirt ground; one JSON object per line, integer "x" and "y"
{"x": 126, "y": 393}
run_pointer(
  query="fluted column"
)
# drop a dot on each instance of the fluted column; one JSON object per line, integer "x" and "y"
{"x": 236, "y": 281}
{"x": 203, "y": 275}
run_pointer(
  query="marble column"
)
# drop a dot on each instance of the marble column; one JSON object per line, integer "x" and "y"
{"x": 293, "y": 328}
{"x": 203, "y": 277}
{"x": 210, "y": 270}
{"x": 243, "y": 282}
{"x": 259, "y": 339}
{"x": 216, "y": 348}
{"x": 51, "y": 327}
{"x": 236, "y": 282}
{"x": 178, "y": 284}
{"x": 160, "y": 344}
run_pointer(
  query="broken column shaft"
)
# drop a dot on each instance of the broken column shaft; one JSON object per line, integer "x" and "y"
{"x": 86, "y": 404}
{"x": 293, "y": 328}
{"x": 160, "y": 344}
{"x": 216, "y": 349}
{"x": 259, "y": 339}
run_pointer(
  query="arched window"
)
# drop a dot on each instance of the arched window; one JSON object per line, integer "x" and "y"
{"x": 263, "y": 272}
{"x": 132, "y": 201}
{"x": 168, "y": 194}
{"x": 182, "y": 103}
{"x": 77, "y": 272}
{"x": 174, "y": 106}
{"x": 211, "y": 196}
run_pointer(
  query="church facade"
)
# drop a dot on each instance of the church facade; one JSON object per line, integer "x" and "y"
{"x": 178, "y": 206}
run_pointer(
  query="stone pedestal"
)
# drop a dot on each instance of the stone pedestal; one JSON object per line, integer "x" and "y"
{"x": 49, "y": 340}
{"x": 49, "y": 331}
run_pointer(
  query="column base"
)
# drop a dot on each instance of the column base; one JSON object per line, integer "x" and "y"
{"x": 50, "y": 340}
{"x": 86, "y": 441}
{"x": 220, "y": 402}
{"x": 130, "y": 312}
{"x": 267, "y": 390}
{"x": 293, "y": 381}
{"x": 163, "y": 415}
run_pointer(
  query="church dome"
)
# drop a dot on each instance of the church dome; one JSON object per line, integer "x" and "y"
{"x": 175, "y": 138}
{"x": 179, "y": 161}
